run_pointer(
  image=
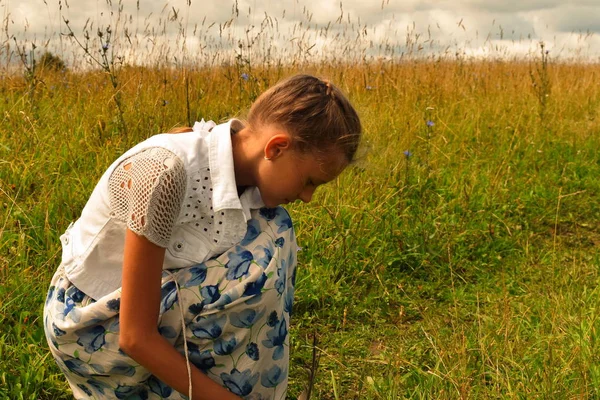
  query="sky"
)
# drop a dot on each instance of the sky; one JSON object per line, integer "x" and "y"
{"x": 143, "y": 29}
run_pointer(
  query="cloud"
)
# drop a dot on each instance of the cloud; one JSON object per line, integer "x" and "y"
{"x": 472, "y": 26}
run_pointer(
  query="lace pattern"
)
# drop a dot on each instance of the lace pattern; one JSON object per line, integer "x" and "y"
{"x": 146, "y": 191}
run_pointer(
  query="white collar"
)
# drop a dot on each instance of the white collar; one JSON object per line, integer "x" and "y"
{"x": 220, "y": 161}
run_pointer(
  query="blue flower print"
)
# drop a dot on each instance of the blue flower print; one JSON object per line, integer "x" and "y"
{"x": 203, "y": 360}
{"x": 288, "y": 300}
{"x": 98, "y": 385}
{"x": 114, "y": 304}
{"x": 157, "y": 386}
{"x": 251, "y": 233}
{"x": 69, "y": 305}
{"x": 255, "y": 288}
{"x": 266, "y": 259}
{"x": 60, "y": 295}
{"x": 92, "y": 339}
{"x": 77, "y": 367}
{"x": 131, "y": 392}
{"x": 246, "y": 318}
{"x": 84, "y": 388}
{"x": 225, "y": 346}
{"x": 240, "y": 383}
{"x": 168, "y": 294}
{"x": 273, "y": 319}
{"x": 276, "y": 339}
{"x": 167, "y": 332}
{"x": 76, "y": 294}
{"x": 57, "y": 330}
{"x": 268, "y": 213}
{"x": 50, "y": 294}
{"x": 252, "y": 351}
{"x": 210, "y": 293}
{"x": 210, "y": 327}
{"x": 238, "y": 264}
{"x": 283, "y": 221}
{"x": 122, "y": 369}
{"x": 272, "y": 377}
{"x": 98, "y": 369}
{"x": 198, "y": 276}
{"x": 223, "y": 301}
{"x": 279, "y": 242}
{"x": 282, "y": 277}
{"x": 196, "y": 308}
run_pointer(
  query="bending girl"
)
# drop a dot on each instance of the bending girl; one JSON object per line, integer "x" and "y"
{"x": 179, "y": 275}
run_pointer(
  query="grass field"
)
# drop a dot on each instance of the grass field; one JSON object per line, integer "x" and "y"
{"x": 458, "y": 259}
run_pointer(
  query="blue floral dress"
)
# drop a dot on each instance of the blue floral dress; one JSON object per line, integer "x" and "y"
{"x": 236, "y": 313}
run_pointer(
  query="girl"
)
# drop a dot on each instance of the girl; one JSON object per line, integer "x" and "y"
{"x": 179, "y": 275}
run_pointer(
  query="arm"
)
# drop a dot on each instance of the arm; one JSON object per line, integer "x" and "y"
{"x": 139, "y": 337}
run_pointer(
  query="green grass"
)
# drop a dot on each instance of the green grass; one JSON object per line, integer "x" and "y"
{"x": 468, "y": 270}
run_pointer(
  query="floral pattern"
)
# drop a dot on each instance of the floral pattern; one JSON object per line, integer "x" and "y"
{"x": 236, "y": 312}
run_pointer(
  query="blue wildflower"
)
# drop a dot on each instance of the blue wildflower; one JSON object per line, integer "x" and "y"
{"x": 245, "y": 76}
{"x": 240, "y": 383}
{"x": 407, "y": 153}
{"x": 430, "y": 123}
{"x": 105, "y": 46}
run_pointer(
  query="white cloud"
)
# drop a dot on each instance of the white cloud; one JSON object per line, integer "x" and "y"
{"x": 473, "y": 26}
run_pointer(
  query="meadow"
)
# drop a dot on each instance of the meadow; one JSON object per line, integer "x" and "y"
{"x": 458, "y": 258}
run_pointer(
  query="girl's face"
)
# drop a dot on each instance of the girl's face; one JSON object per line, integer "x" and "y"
{"x": 291, "y": 175}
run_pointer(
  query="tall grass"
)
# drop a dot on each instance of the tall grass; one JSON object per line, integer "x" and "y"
{"x": 458, "y": 258}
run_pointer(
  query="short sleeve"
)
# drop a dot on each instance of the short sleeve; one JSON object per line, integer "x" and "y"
{"x": 146, "y": 191}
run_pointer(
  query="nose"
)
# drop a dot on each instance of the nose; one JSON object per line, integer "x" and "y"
{"x": 307, "y": 194}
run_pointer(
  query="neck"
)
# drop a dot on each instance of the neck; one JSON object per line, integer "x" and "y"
{"x": 244, "y": 161}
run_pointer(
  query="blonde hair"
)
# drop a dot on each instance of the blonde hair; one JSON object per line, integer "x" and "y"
{"x": 313, "y": 111}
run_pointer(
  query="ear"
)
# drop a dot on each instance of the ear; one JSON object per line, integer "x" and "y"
{"x": 277, "y": 145}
